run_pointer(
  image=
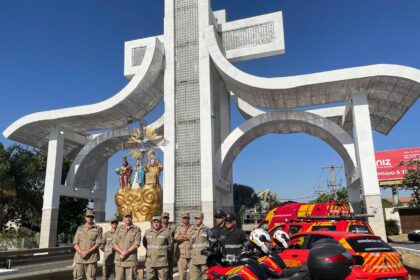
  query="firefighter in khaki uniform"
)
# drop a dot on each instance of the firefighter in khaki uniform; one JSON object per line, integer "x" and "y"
{"x": 171, "y": 227}
{"x": 86, "y": 242}
{"x": 109, "y": 252}
{"x": 183, "y": 235}
{"x": 198, "y": 243}
{"x": 158, "y": 243}
{"x": 126, "y": 240}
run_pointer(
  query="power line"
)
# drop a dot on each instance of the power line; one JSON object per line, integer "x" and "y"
{"x": 297, "y": 198}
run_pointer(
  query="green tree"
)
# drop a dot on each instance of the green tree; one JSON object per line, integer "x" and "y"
{"x": 243, "y": 196}
{"x": 22, "y": 175}
{"x": 324, "y": 197}
{"x": 411, "y": 180}
{"x": 267, "y": 200}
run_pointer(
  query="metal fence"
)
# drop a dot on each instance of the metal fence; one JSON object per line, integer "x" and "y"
{"x": 18, "y": 243}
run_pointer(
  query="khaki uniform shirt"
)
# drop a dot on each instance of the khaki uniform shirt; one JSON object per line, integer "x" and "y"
{"x": 125, "y": 239}
{"x": 86, "y": 238}
{"x": 171, "y": 228}
{"x": 199, "y": 242}
{"x": 106, "y": 247}
{"x": 183, "y": 246}
{"x": 158, "y": 245}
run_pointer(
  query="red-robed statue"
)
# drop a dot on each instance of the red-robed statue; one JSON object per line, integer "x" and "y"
{"x": 125, "y": 174}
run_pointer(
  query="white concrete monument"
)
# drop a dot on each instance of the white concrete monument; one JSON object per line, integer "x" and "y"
{"x": 190, "y": 68}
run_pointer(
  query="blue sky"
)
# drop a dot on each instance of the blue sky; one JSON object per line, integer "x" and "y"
{"x": 58, "y": 54}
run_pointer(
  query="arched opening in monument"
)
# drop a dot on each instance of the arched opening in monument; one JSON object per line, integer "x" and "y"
{"x": 290, "y": 122}
{"x": 298, "y": 159}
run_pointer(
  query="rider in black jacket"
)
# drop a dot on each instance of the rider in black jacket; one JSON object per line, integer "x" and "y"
{"x": 219, "y": 229}
{"x": 234, "y": 237}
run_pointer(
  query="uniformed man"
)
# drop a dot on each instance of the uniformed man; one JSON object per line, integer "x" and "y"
{"x": 86, "y": 242}
{"x": 158, "y": 243}
{"x": 198, "y": 243}
{"x": 220, "y": 228}
{"x": 171, "y": 227}
{"x": 183, "y": 235}
{"x": 235, "y": 237}
{"x": 126, "y": 240}
{"x": 109, "y": 252}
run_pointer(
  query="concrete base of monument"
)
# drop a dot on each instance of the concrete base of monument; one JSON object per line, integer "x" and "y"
{"x": 142, "y": 225}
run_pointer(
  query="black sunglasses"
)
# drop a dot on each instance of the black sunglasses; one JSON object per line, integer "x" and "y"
{"x": 114, "y": 222}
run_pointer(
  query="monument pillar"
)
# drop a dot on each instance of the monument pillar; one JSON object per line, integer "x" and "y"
{"x": 365, "y": 155}
{"x": 197, "y": 116}
{"x": 169, "y": 116}
{"x": 51, "y": 192}
{"x": 353, "y": 193}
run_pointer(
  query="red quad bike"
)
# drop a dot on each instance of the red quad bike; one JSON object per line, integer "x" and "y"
{"x": 326, "y": 261}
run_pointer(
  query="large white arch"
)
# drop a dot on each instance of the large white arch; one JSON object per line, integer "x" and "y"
{"x": 396, "y": 84}
{"x": 283, "y": 122}
{"x": 142, "y": 93}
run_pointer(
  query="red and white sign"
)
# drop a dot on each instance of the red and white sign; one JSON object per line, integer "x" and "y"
{"x": 387, "y": 163}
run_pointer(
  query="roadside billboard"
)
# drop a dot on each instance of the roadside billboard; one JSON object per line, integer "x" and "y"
{"x": 387, "y": 163}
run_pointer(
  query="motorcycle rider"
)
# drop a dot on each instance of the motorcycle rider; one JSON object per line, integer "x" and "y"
{"x": 261, "y": 240}
{"x": 281, "y": 238}
{"x": 234, "y": 238}
{"x": 220, "y": 228}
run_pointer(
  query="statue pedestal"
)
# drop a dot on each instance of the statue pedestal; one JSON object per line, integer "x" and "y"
{"x": 144, "y": 203}
{"x": 141, "y": 252}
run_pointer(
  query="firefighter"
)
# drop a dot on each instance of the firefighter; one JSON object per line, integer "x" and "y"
{"x": 87, "y": 241}
{"x": 158, "y": 243}
{"x": 109, "y": 252}
{"x": 198, "y": 243}
{"x": 183, "y": 235}
{"x": 125, "y": 242}
{"x": 171, "y": 227}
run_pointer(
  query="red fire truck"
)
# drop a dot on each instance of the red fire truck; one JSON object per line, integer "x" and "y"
{"x": 294, "y": 217}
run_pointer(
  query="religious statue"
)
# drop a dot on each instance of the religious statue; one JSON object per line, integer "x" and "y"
{"x": 137, "y": 178}
{"x": 125, "y": 173}
{"x": 143, "y": 193}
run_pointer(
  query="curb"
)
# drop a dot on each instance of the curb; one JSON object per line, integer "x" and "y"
{"x": 415, "y": 268}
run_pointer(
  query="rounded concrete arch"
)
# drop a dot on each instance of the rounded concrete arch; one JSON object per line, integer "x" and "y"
{"x": 284, "y": 122}
{"x": 95, "y": 154}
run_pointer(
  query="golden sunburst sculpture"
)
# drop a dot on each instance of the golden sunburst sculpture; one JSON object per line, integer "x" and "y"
{"x": 148, "y": 136}
{"x": 140, "y": 191}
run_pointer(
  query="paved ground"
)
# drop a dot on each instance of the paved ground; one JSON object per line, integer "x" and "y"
{"x": 412, "y": 258}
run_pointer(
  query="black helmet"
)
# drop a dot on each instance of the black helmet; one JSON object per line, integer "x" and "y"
{"x": 329, "y": 260}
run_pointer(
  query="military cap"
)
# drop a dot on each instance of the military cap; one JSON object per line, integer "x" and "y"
{"x": 114, "y": 219}
{"x": 230, "y": 217}
{"x": 199, "y": 215}
{"x": 185, "y": 214}
{"x": 128, "y": 213}
{"x": 220, "y": 214}
{"x": 165, "y": 214}
{"x": 90, "y": 213}
{"x": 157, "y": 218}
